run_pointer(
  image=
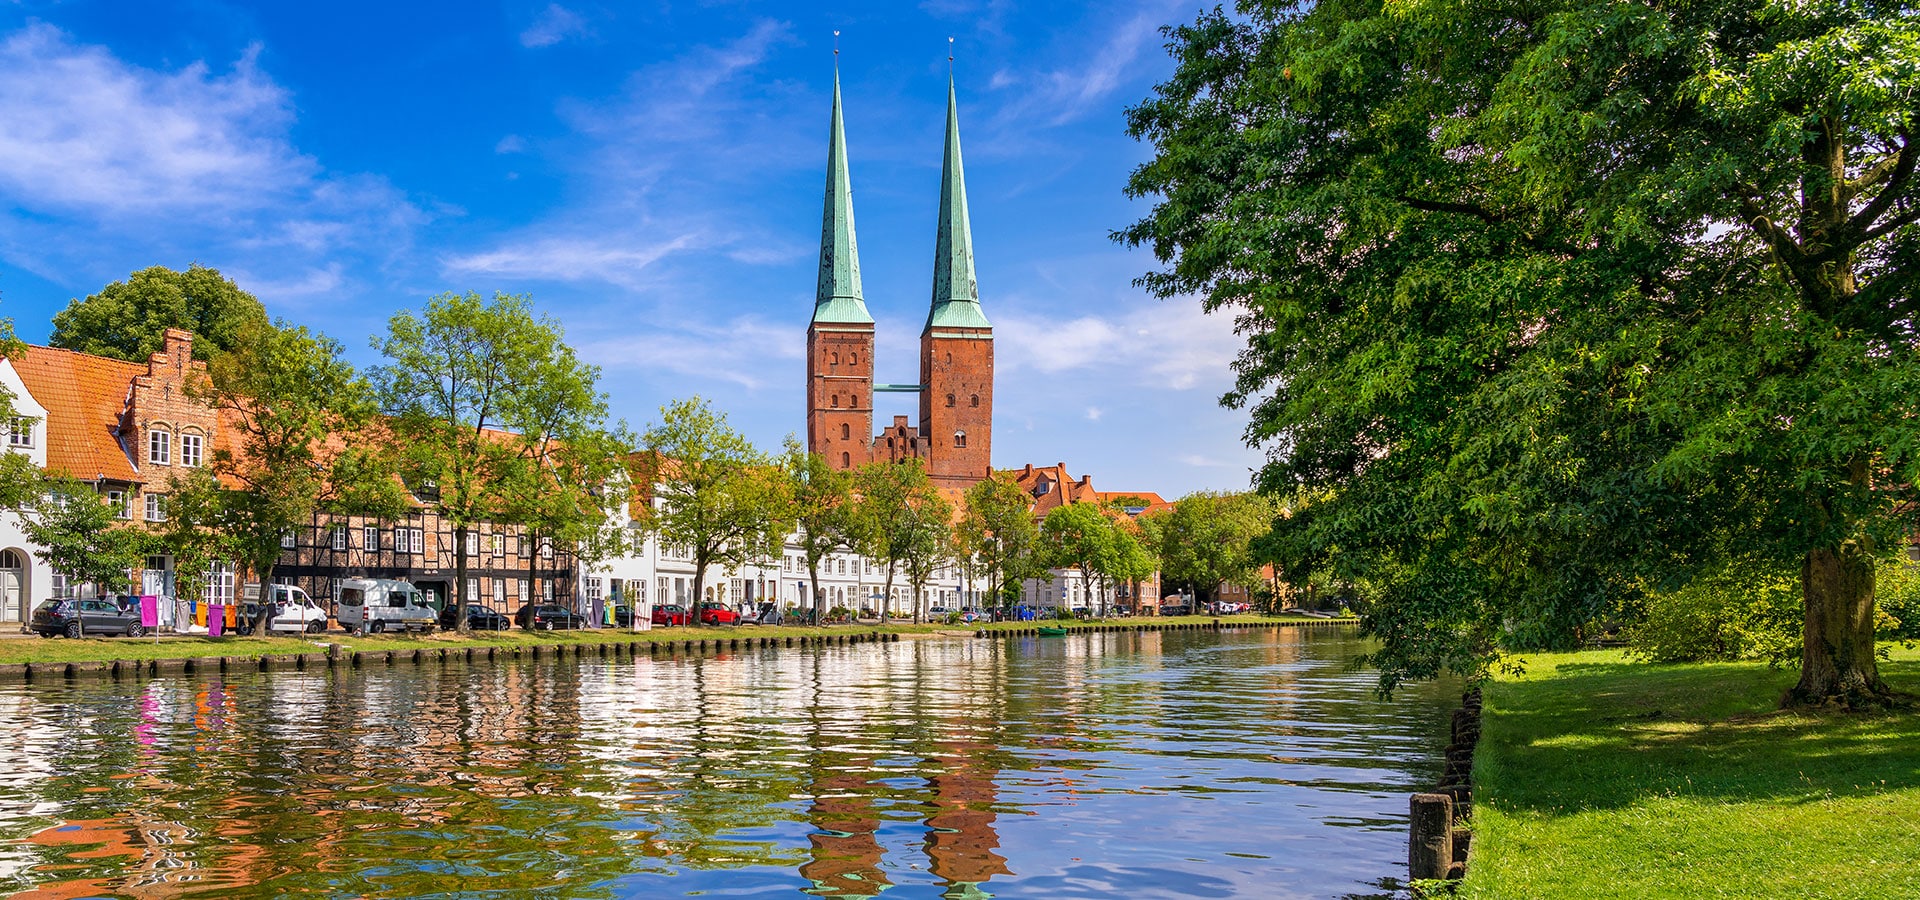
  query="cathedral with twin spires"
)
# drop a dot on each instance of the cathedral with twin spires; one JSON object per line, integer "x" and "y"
{"x": 954, "y": 435}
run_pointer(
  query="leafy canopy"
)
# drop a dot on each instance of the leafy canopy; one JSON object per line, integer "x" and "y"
{"x": 1549, "y": 304}
{"x": 129, "y": 319}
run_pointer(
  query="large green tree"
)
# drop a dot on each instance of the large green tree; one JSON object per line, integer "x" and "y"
{"x": 997, "y": 535}
{"x": 1087, "y": 537}
{"x": 1556, "y": 303}
{"x": 924, "y": 542}
{"x": 717, "y": 495}
{"x": 1206, "y": 539}
{"x": 79, "y": 535}
{"x": 885, "y": 525}
{"x": 129, "y": 319}
{"x": 299, "y": 418}
{"x": 822, "y": 510}
{"x": 472, "y": 386}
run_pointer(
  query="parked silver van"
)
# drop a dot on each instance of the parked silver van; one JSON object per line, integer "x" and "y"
{"x": 374, "y": 605}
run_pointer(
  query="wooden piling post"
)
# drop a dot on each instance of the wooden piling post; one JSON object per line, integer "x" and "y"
{"x": 1430, "y": 836}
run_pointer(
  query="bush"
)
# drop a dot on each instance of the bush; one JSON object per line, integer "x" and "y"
{"x": 1739, "y": 613}
{"x": 1897, "y": 587}
{"x": 1063, "y": 614}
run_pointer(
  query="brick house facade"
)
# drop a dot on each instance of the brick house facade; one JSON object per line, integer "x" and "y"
{"x": 128, "y": 428}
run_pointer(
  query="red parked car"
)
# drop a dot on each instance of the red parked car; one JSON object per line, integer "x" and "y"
{"x": 712, "y": 613}
{"x": 669, "y": 614}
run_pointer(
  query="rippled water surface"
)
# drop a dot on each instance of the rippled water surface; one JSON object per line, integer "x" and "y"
{"x": 1248, "y": 764}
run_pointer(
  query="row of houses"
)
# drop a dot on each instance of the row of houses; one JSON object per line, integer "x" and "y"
{"x": 127, "y": 428}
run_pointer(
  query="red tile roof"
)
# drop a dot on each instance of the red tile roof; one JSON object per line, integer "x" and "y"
{"x": 85, "y": 397}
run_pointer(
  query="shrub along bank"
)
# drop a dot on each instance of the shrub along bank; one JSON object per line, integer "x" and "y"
{"x": 1599, "y": 777}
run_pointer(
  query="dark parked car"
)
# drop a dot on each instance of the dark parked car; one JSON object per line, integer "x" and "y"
{"x": 547, "y": 618}
{"x": 480, "y": 617}
{"x": 670, "y": 614}
{"x": 76, "y": 617}
{"x": 622, "y": 616}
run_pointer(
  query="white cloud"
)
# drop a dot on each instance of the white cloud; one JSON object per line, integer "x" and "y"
{"x": 88, "y": 132}
{"x": 733, "y": 352}
{"x": 1202, "y": 462}
{"x": 1094, "y": 413}
{"x": 556, "y": 23}
{"x": 1064, "y": 94}
{"x": 189, "y": 162}
{"x": 512, "y": 143}
{"x": 1166, "y": 344}
{"x": 621, "y": 259}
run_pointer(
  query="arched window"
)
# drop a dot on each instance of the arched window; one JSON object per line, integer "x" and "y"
{"x": 836, "y": 360}
{"x": 949, "y": 401}
{"x": 836, "y": 401}
{"x": 846, "y": 431}
{"x": 976, "y": 400}
{"x": 853, "y": 401}
{"x": 846, "y": 460}
{"x": 10, "y": 559}
{"x": 949, "y": 359}
{"x": 959, "y": 439}
{"x": 853, "y": 359}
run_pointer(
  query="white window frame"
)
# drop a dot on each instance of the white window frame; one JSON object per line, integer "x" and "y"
{"x": 156, "y": 507}
{"x": 473, "y": 543}
{"x": 370, "y": 537}
{"x": 289, "y": 540}
{"x": 122, "y": 504}
{"x": 340, "y": 540}
{"x": 160, "y": 447}
{"x": 191, "y": 446}
{"x": 20, "y": 432}
{"x": 499, "y": 542}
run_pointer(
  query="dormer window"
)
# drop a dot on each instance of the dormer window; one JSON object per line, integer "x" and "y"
{"x": 160, "y": 447}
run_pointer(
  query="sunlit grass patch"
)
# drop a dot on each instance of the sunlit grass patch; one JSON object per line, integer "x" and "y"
{"x": 1597, "y": 777}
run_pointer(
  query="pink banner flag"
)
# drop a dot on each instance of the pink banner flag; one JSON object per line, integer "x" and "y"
{"x": 216, "y": 619}
{"x": 149, "y": 611}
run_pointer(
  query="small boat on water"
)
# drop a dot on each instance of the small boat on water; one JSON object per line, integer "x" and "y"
{"x": 1051, "y": 631}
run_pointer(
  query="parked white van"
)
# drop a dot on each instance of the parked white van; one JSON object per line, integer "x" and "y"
{"x": 295, "y": 611}
{"x": 373, "y": 605}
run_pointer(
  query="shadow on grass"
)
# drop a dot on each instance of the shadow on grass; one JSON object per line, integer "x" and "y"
{"x": 1606, "y": 735}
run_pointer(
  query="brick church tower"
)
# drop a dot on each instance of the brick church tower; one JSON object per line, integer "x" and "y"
{"x": 954, "y": 436}
{"x": 840, "y": 339}
{"x": 956, "y": 347}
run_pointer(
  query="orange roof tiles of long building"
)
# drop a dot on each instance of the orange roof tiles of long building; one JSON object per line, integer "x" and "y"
{"x": 84, "y": 396}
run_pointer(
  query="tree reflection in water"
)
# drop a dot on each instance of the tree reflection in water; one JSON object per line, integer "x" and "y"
{"x": 1178, "y": 764}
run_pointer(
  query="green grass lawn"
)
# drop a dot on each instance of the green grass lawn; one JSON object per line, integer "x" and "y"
{"x": 1597, "y": 777}
{"x": 91, "y": 649}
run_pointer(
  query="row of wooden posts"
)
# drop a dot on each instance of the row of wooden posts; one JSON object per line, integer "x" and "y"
{"x": 337, "y": 655}
{"x": 1437, "y": 844}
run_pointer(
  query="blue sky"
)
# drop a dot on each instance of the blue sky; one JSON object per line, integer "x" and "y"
{"x": 651, "y": 174}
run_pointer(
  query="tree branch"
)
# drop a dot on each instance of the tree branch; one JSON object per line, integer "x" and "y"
{"x": 1465, "y": 209}
{"x": 1889, "y": 226}
{"x": 1755, "y": 216}
{"x": 1901, "y": 172}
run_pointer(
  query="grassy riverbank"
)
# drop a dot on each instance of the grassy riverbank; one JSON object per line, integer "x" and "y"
{"x": 99, "y": 649}
{"x": 1597, "y": 777}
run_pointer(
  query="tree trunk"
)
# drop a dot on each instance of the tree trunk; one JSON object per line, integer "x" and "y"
{"x": 699, "y": 586}
{"x": 1837, "y": 662}
{"x": 460, "y": 579}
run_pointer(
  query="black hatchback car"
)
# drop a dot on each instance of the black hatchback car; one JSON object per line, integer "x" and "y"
{"x": 74, "y": 618}
{"x": 480, "y": 617}
{"x": 547, "y": 618}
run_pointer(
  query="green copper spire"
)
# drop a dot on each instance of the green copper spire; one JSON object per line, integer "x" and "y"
{"x": 956, "y": 292}
{"x": 838, "y": 298}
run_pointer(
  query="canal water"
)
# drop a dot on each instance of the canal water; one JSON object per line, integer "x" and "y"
{"x": 1255, "y": 763}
